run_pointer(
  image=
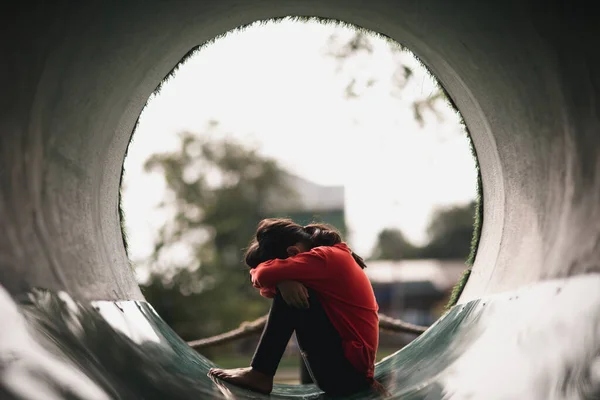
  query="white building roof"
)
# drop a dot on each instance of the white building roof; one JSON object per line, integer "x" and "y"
{"x": 442, "y": 274}
{"x": 308, "y": 196}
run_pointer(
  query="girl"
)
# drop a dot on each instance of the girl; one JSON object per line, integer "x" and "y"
{"x": 321, "y": 292}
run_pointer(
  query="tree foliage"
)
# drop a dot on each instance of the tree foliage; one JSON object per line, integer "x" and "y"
{"x": 218, "y": 190}
{"x": 393, "y": 245}
{"x": 360, "y": 45}
{"x": 450, "y": 232}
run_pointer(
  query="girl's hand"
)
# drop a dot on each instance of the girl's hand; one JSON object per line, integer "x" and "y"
{"x": 294, "y": 293}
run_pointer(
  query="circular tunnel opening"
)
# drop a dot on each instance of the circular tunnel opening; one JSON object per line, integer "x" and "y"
{"x": 363, "y": 106}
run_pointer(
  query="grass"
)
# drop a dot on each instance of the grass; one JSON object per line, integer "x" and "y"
{"x": 229, "y": 360}
{"x": 458, "y": 289}
{"x": 384, "y": 352}
{"x": 234, "y": 360}
{"x": 122, "y": 214}
{"x": 289, "y": 368}
{"x": 477, "y": 225}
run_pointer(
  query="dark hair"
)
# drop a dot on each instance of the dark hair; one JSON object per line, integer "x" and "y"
{"x": 275, "y": 235}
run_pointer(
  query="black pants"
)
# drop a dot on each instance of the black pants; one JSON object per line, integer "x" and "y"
{"x": 319, "y": 341}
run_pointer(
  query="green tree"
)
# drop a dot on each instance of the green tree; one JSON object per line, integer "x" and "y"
{"x": 450, "y": 232}
{"x": 393, "y": 245}
{"x": 218, "y": 190}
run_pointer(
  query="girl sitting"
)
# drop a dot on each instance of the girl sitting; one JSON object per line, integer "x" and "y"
{"x": 319, "y": 291}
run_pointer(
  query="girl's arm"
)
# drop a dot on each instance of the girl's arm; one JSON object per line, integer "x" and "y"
{"x": 269, "y": 292}
{"x": 306, "y": 268}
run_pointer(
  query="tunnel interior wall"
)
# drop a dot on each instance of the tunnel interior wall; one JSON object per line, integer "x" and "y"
{"x": 75, "y": 77}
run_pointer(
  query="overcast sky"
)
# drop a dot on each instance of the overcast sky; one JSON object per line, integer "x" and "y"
{"x": 274, "y": 86}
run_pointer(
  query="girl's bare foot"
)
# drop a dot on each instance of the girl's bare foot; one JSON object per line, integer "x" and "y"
{"x": 245, "y": 377}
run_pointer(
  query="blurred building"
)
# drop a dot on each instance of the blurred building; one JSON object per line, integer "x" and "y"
{"x": 414, "y": 290}
{"x": 309, "y": 202}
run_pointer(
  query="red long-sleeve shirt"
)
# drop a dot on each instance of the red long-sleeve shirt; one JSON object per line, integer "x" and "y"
{"x": 343, "y": 290}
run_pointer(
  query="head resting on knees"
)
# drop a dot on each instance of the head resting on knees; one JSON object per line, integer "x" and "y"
{"x": 282, "y": 238}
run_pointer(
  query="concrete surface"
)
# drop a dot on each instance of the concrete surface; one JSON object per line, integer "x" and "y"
{"x": 75, "y": 76}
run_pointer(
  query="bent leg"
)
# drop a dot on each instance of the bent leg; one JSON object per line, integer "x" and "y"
{"x": 275, "y": 337}
{"x": 278, "y": 330}
{"x": 319, "y": 341}
{"x": 323, "y": 353}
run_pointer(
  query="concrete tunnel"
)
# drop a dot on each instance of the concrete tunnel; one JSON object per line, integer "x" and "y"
{"x": 525, "y": 76}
